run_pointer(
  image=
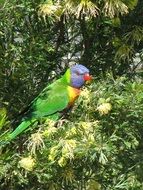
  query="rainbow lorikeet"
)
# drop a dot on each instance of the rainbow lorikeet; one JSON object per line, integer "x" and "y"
{"x": 55, "y": 98}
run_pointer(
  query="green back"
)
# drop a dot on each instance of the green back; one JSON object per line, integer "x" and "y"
{"x": 54, "y": 98}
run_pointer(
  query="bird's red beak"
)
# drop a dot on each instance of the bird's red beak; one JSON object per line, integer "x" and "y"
{"x": 87, "y": 77}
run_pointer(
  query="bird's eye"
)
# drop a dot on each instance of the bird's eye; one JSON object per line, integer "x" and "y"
{"x": 77, "y": 73}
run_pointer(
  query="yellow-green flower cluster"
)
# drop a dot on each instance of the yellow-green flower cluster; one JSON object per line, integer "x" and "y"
{"x": 35, "y": 142}
{"x": 53, "y": 153}
{"x": 50, "y": 128}
{"x": 67, "y": 151}
{"x": 85, "y": 96}
{"x": 85, "y": 93}
{"x": 27, "y": 163}
{"x": 104, "y": 108}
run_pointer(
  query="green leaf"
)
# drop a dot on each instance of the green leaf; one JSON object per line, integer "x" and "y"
{"x": 3, "y": 117}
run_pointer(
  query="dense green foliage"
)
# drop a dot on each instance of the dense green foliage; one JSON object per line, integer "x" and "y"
{"x": 99, "y": 144}
{"x": 98, "y": 147}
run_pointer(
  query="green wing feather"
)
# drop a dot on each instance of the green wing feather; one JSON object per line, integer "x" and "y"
{"x": 50, "y": 101}
{"x": 53, "y": 99}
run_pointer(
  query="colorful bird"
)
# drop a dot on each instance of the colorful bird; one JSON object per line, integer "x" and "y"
{"x": 54, "y": 99}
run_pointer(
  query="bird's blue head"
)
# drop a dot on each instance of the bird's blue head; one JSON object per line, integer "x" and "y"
{"x": 79, "y": 75}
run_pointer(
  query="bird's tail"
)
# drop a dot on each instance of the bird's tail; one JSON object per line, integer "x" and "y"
{"x": 6, "y": 138}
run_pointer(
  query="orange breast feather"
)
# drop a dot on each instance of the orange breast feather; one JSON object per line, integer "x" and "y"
{"x": 73, "y": 94}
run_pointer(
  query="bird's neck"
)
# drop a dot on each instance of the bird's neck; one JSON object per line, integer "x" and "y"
{"x": 73, "y": 92}
{"x": 66, "y": 77}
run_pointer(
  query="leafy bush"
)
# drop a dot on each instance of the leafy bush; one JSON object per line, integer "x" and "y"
{"x": 97, "y": 146}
